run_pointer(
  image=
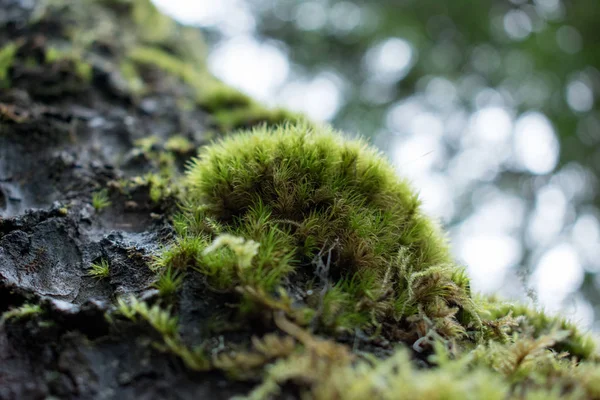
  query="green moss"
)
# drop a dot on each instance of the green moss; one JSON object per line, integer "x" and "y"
{"x": 311, "y": 200}
{"x": 315, "y": 233}
{"x": 160, "y": 187}
{"x": 147, "y": 144}
{"x": 75, "y": 73}
{"x": 81, "y": 68}
{"x": 179, "y": 144}
{"x": 189, "y": 73}
{"x": 26, "y": 311}
{"x": 134, "y": 82}
{"x": 100, "y": 200}
{"x": 526, "y": 319}
{"x": 525, "y": 368}
{"x": 168, "y": 283}
{"x": 246, "y": 117}
{"x": 99, "y": 271}
{"x": 220, "y": 96}
{"x": 229, "y": 107}
{"x": 153, "y": 26}
{"x": 163, "y": 322}
{"x": 7, "y": 54}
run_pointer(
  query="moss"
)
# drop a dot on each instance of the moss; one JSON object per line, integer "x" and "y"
{"x": 526, "y": 319}
{"x": 134, "y": 82}
{"x": 7, "y": 54}
{"x": 26, "y": 311}
{"x": 99, "y": 270}
{"x": 316, "y": 239}
{"x": 220, "y": 96}
{"x": 189, "y": 73}
{"x": 230, "y": 108}
{"x": 301, "y": 198}
{"x": 179, "y": 144}
{"x": 64, "y": 69}
{"x": 245, "y": 117}
{"x": 80, "y": 67}
{"x": 153, "y": 26}
{"x": 163, "y": 322}
{"x": 525, "y": 369}
{"x": 147, "y": 144}
{"x": 168, "y": 282}
{"x": 100, "y": 200}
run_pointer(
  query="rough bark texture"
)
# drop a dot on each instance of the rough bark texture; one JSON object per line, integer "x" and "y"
{"x": 64, "y": 137}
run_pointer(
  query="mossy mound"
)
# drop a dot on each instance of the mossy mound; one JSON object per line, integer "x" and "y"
{"x": 331, "y": 222}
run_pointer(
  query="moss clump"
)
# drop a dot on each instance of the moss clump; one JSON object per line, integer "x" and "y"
{"x": 316, "y": 212}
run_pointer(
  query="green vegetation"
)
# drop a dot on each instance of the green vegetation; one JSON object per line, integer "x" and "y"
{"x": 166, "y": 325}
{"x": 168, "y": 283}
{"x": 315, "y": 239}
{"x": 26, "y": 311}
{"x": 81, "y": 68}
{"x": 186, "y": 72}
{"x": 298, "y": 209}
{"x": 7, "y": 54}
{"x": 100, "y": 200}
{"x": 524, "y": 369}
{"x": 523, "y": 366}
{"x": 536, "y": 323}
{"x": 230, "y": 109}
{"x": 179, "y": 144}
{"x": 266, "y": 204}
{"x": 100, "y": 271}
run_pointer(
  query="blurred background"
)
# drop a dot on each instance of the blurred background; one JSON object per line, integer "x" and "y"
{"x": 491, "y": 109}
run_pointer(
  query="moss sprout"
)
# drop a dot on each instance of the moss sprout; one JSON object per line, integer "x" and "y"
{"x": 220, "y": 96}
{"x": 99, "y": 270}
{"x": 100, "y": 200}
{"x": 168, "y": 282}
